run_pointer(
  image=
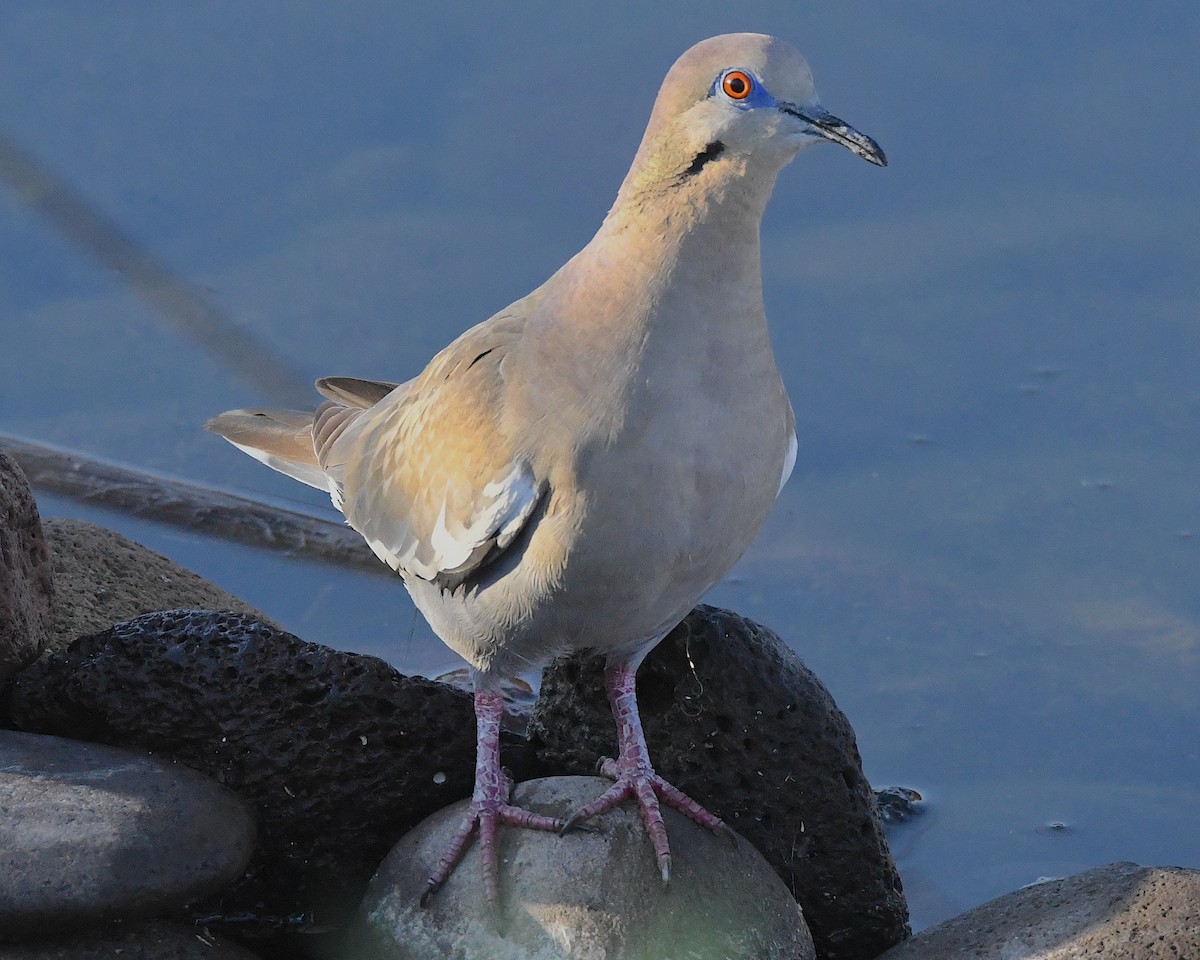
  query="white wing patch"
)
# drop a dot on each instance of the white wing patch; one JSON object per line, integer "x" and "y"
{"x": 453, "y": 547}
{"x": 515, "y": 497}
{"x": 789, "y": 461}
{"x": 505, "y": 506}
{"x": 335, "y": 492}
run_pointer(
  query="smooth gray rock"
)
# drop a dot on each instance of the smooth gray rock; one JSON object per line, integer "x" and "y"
{"x": 104, "y": 578}
{"x": 26, "y": 577}
{"x": 1117, "y": 912}
{"x": 91, "y": 833}
{"x": 156, "y": 940}
{"x": 339, "y": 754}
{"x": 593, "y": 894}
{"x": 737, "y": 721}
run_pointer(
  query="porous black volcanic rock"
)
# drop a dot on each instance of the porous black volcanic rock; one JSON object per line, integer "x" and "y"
{"x": 339, "y": 753}
{"x": 735, "y": 719}
{"x": 26, "y": 576}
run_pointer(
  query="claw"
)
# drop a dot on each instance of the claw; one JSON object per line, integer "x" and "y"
{"x": 722, "y": 829}
{"x": 573, "y": 823}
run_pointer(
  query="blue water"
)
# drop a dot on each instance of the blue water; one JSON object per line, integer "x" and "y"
{"x": 991, "y": 544}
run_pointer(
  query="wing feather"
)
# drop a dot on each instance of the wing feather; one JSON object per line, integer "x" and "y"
{"x": 428, "y": 475}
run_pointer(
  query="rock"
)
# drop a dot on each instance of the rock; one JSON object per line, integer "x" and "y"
{"x": 91, "y": 833}
{"x": 1119, "y": 912}
{"x": 104, "y": 579}
{"x": 736, "y": 720}
{"x": 156, "y": 940}
{"x": 594, "y": 894}
{"x": 26, "y": 577}
{"x": 339, "y": 754}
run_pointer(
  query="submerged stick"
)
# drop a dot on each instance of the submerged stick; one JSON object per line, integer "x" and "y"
{"x": 153, "y": 497}
{"x": 174, "y": 299}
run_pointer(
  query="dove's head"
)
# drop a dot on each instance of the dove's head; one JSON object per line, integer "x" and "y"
{"x": 735, "y": 105}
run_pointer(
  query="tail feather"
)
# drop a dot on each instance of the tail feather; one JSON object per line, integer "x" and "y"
{"x": 282, "y": 439}
{"x": 354, "y": 391}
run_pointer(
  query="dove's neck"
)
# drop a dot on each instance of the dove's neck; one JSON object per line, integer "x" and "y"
{"x": 666, "y": 297}
{"x": 678, "y": 253}
{"x": 720, "y": 205}
{"x": 664, "y": 302}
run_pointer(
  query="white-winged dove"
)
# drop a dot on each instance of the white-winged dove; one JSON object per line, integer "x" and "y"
{"x": 575, "y": 472}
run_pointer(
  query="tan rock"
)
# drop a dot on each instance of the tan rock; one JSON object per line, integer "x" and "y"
{"x": 26, "y": 578}
{"x": 1119, "y": 912}
{"x": 104, "y": 578}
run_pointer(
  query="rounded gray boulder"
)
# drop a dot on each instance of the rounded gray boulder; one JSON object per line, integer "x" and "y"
{"x": 91, "y": 833}
{"x": 595, "y": 892}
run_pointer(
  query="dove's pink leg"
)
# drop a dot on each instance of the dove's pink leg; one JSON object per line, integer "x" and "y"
{"x": 489, "y": 805}
{"x": 635, "y": 777}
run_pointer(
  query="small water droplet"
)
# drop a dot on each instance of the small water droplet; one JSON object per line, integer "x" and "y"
{"x": 439, "y": 778}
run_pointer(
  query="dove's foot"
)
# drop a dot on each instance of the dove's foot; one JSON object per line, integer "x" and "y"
{"x": 634, "y": 776}
{"x": 489, "y": 806}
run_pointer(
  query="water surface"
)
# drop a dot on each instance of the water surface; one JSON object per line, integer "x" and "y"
{"x": 990, "y": 546}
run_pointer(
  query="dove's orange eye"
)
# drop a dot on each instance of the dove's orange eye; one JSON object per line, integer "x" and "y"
{"x": 737, "y": 84}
